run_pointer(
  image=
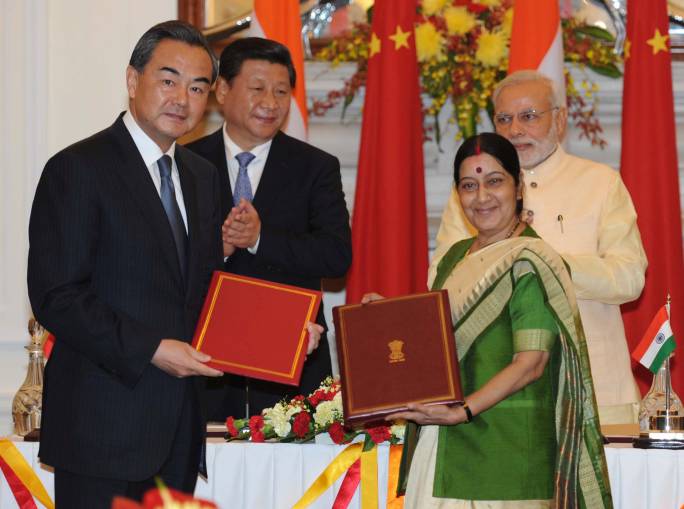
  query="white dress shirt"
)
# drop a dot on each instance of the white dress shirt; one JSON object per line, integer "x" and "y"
{"x": 151, "y": 153}
{"x": 254, "y": 170}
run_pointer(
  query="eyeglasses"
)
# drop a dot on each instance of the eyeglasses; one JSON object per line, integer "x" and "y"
{"x": 527, "y": 117}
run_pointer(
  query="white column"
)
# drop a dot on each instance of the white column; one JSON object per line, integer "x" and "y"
{"x": 64, "y": 63}
{"x": 23, "y": 133}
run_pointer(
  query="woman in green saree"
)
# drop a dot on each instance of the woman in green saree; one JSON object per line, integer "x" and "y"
{"x": 528, "y": 435}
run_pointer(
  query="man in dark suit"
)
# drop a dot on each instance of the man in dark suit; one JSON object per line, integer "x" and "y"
{"x": 124, "y": 235}
{"x": 287, "y": 218}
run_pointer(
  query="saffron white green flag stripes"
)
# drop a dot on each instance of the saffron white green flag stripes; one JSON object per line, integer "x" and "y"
{"x": 657, "y": 344}
{"x": 279, "y": 20}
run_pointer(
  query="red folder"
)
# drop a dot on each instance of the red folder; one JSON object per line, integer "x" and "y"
{"x": 396, "y": 351}
{"x": 256, "y": 328}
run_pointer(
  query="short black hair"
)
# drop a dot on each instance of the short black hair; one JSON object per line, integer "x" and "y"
{"x": 254, "y": 48}
{"x": 175, "y": 30}
{"x": 496, "y": 146}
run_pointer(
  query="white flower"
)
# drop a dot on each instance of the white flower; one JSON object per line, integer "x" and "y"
{"x": 326, "y": 412}
{"x": 397, "y": 430}
{"x": 278, "y": 418}
{"x": 293, "y": 410}
{"x": 337, "y": 403}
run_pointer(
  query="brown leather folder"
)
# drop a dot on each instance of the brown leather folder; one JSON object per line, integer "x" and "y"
{"x": 256, "y": 328}
{"x": 393, "y": 352}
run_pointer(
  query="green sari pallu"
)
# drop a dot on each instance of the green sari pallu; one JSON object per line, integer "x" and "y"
{"x": 484, "y": 283}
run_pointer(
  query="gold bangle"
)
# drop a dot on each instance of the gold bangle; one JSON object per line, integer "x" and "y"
{"x": 468, "y": 412}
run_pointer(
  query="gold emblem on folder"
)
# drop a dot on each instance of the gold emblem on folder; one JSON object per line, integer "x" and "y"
{"x": 396, "y": 355}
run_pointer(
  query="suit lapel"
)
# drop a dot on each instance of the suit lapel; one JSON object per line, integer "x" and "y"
{"x": 188, "y": 182}
{"x": 275, "y": 176}
{"x": 217, "y": 154}
{"x": 132, "y": 170}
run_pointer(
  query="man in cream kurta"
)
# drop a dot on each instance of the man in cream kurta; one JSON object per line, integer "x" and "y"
{"x": 583, "y": 210}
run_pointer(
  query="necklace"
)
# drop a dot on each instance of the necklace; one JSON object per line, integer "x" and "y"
{"x": 508, "y": 236}
{"x": 517, "y": 223}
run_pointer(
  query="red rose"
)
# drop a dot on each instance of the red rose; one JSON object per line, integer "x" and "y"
{"x": 379, "y": 434}
{"x": 153, "y": 498}
{"x": 336, "y": 432}
{"x": 476, "y": 8}
{"x": 300, "y": 426}
{"x": 256, "y": 423}
{"x": 257, "y": 436}
{"x": 299, "y": 399}
{"x": 230, "y": 424}
{"x": 316, "y": 398}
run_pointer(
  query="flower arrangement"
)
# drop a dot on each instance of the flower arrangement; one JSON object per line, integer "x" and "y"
{"x": 303, "y": 417}
{"x": 462, "y": 50}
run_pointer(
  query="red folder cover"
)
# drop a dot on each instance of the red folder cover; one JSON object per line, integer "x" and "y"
{"x": 256, "y": 328}
{"x": 396, "y": 351}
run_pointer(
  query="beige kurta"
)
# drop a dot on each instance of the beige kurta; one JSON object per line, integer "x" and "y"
{"x": 583, "y": 210}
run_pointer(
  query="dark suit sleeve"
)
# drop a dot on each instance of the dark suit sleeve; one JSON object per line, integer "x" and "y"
{"x": 63, "y": 234}
{"x": 324, "y": 249}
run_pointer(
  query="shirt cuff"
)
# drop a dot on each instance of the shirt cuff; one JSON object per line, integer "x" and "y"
{"x": 254, "y": 248}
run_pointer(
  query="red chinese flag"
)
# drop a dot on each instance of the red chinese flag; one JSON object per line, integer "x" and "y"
{"x": 389, "y": 225}
{"x": 649, "y": 170}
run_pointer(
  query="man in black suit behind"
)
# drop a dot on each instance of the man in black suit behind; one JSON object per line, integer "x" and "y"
{"x": 124, "y": 235}
{"x": 287, "y": 218}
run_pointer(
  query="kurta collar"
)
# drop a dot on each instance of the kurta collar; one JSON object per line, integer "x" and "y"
{"x": 546, "y": 168}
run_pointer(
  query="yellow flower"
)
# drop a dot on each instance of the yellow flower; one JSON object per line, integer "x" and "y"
{"x": 458, "y": 20}
{"x": 491, "y": 48}
{"x": 428, "y": 41}
{"x": 507, "y": 22}
{"x": 431, "y": 7}
{"x": 488, "y": 3}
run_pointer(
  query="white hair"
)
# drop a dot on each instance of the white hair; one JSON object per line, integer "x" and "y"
{"x": 528, "y": 76}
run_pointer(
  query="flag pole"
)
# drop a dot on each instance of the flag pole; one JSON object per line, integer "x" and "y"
{"x": 667, "y": 376}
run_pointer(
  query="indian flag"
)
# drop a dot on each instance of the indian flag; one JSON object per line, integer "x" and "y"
{"x": 657, "y": 344}
{"x": 279, "y": 20}
{"x": 537, "y": 40}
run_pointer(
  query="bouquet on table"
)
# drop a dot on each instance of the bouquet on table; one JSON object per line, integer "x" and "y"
{"x": 303, "y": 417}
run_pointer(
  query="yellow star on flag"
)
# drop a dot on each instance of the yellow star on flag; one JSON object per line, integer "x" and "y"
{"x": 400, "y": 38}
{"x": 627, "y": 48}
{"x": 374, "y": 44}
{"x": 658, "y": 42}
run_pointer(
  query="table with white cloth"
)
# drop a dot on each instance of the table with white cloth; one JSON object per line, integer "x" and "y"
{"x": 274, "y": 476}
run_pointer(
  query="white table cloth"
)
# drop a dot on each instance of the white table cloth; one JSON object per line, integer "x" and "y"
{"x": 274, "y": 476}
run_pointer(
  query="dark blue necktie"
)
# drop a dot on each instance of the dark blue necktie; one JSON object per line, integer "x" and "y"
{"x": 168, "y": 198}
{"x": 243, "y": 187}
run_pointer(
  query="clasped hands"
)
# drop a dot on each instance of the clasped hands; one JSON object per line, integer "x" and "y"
{"x": 241, "y": 229}
{"x": 179, "y": 359}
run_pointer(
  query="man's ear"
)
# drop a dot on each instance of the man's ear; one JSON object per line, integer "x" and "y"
{"x": 222, "y": 88}
{"x": 132, "y": 76}
{"x": 561, "y": 122}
